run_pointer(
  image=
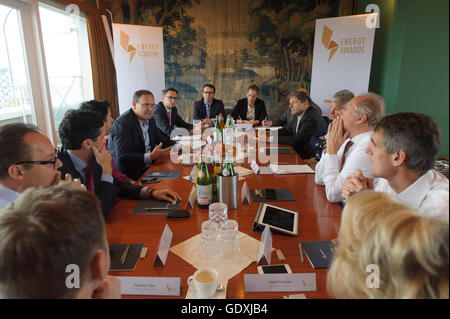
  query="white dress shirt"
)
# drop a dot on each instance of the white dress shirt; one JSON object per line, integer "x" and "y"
{"x": 428, "y": 194}
{"x": 7, "y": 196}
{"x": 327, "y": 170}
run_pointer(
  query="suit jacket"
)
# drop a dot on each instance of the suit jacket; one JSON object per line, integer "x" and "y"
{"x": 216, "y": 108}
{"x": 105, "y": 191}
{"x": 284, "y": 120}
{"x": 126, "y": 143}
{"x": 162, "y": 119}
{"x": 311, "y": 123}
{"x": 240, "y": 110}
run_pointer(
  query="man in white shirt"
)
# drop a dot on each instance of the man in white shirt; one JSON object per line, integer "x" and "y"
{"x": 27, "y": 159}
{"x": 403, "y": 150}
{"x": 348, "y": 137}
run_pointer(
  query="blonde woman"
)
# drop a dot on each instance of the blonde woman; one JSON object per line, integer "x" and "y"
{"x": 387, "y": 250}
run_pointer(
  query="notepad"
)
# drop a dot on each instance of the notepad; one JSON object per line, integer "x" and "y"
{"x": 290, "y": 169}
{"x": 319, "y": 253}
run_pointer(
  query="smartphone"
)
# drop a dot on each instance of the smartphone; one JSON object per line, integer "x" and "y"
{"x": 150, "y": 180}
{"x": 178, "y": 213}
{"x": 275, "y": 269}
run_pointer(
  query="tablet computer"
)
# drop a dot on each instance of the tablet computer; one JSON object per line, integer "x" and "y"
{"x": 277, "y": 218}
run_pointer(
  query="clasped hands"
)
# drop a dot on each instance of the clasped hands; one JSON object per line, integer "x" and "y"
{"x": 356, "y": 183}
{"x": 336, "y": 136}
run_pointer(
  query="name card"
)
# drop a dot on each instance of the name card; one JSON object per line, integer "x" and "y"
{"x": 245, "y": 195}
{"x": 255, "y": 167}
{"x": 163, "y": 247}
{"x": 243, "y": 126}
{"x": 279, "y": 282}
{"x": 265, "y": 247}
{"x": 209, "y": 140}
{"x": 156, "y": 286}
{"x": 192, "y": 198}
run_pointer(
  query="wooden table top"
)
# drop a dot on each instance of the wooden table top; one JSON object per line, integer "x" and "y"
{"x": 318, "y": 220}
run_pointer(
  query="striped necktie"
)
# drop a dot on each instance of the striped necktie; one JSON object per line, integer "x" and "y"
{"x": 346, "y": 148}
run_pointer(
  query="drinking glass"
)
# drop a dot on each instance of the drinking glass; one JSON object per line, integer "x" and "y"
{"x": 218, "y": 213}
{"x": 210, "y": 239}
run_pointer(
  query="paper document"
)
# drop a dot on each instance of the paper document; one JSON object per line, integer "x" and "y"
{"x": 290, "y": 169}
{"x": 187, "y": 138}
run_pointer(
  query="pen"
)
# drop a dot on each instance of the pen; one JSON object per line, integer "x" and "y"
{"x": 301, "y": 251}
{"x": 124, "y": 255}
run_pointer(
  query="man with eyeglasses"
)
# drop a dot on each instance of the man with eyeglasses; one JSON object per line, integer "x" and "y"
{"x": 208, "y": 107}
{"x": 27, "y": 159}
{"x": 166, "y": 114}
{"x": 135, "y": 141}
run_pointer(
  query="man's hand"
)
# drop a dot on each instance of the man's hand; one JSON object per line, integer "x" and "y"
{"x": 159, "y": 152}
{"x": 103, "y": 159}
{"x": 336, "y": 136}
{"x": 165, "y": 194}
{"x": 207, "y": 121}
{"x": 356, "y": 183}
{"x": 108, "y": 289}
{"x": 76, "y": 183}
{"x": 266, "y": 123}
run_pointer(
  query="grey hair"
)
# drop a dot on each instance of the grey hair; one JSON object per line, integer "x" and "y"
{"x": 372, "y": 105}
{"x": 342, "y": 97}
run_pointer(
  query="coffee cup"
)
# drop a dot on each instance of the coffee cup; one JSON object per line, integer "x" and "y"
{"x": 204, "y": 281}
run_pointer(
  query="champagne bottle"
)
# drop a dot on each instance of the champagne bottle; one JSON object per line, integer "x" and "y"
{"x": 228, "y": 169}
{"x": 218, "y": 132}
{"x": 204, "y": 185}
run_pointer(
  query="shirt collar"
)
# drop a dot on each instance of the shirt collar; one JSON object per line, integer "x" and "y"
{"x": 7, "y": 195}
{"x": 78, "y": 163}
{"x": 360, "y": 137}
{"x": 416, "y": 192}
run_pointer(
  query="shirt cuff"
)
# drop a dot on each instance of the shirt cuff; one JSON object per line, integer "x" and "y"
{"x": 143, "y": 193}
{"x": 107, "y": 178}
{"x": 147, "y": 159}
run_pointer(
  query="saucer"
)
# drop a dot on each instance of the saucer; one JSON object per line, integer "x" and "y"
{"x": 191, "y": 294}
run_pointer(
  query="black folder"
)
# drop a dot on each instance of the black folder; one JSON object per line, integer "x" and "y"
{"x": 319, "y": 253}
{"x": 154, "y": 204}
{"x": 116, "y": 251}
{"x": 279, "y": 150}
{"x": 271, "y": 195}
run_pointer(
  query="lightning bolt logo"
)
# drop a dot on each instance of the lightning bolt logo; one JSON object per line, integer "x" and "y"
{"x": 124, "y": 43}
{"x": 328, "y": 43}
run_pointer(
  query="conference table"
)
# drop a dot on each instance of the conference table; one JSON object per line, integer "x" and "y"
{"x": 319, "y": 220}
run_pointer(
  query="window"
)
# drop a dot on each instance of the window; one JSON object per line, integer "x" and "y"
{"x": 67, "y": 58}
{"x": 15, "y": 101}
{"x": 45, "y": 64}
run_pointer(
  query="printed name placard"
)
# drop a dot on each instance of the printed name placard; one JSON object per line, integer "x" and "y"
{"x": 279, "y": 282}
{"x": 255, "y": 167}
{"x": 156, "y": 286}
{"x": 191, "y": 199}
{"x": 245, "y": 195}
{"x": 265, "y": 247}
{"x": 163, "y": 247}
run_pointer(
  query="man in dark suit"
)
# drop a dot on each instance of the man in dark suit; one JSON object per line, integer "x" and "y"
{"x": 166, "y": 114}
{"x": 250, "y": 109}
{"x": 307, "y": 121}
{"x": 208, "y": 107}
{"x": 135, "y": 141}
{"x": 83, "y": 155}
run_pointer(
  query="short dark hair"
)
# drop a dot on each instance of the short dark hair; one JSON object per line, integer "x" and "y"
{"x": 302, "y": 96}
{"x": 78, "y": 125}
{"x": 254, "y": 88}
{"x": 414, "y": 133}
{"x": 164, "y": 92}
{"x": 12, "y": 145}
{"x": 43, "y": 231}
{"x": 209, "y": 86}
{"x": 138, "y": 94}
{"x": 100, "y": 106}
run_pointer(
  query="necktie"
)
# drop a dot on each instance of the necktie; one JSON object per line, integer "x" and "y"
{"x": 89, "y": 178}
{"x": 347, "y": 146}
{"x": 170, "y": 117}
{"x": 208, "y": 111}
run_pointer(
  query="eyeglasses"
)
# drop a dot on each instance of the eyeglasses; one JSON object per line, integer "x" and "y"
{"x": 208, "y": 92}
{"x": 53, "y": 162}
{"x": 148, "y": 105}
{"x": 172, "y": 97}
